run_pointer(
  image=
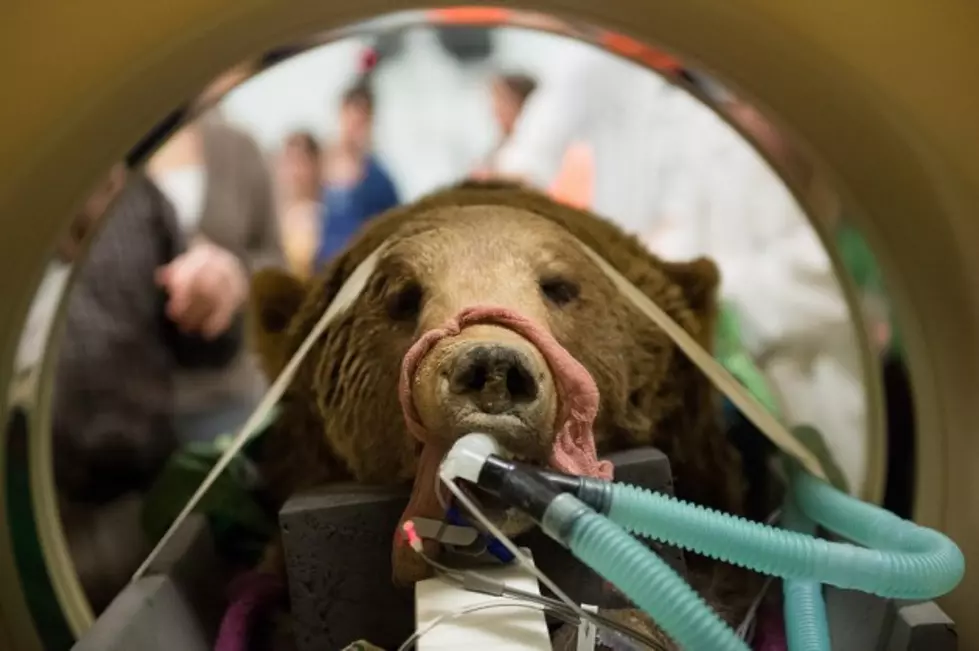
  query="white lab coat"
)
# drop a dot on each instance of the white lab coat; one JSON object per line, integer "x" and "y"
{"x": 670, "y": 170}
{"x": 727, "y": 203}
{"x": 615, "y": 106}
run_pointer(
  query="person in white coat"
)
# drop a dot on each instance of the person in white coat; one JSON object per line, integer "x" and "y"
{"x": 727, "y": 203}
{"x": 671, "y": 171}
{"x": 589, "y": 96}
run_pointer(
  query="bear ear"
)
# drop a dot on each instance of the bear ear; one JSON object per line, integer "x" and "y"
{"x": 699, "y": 280}
{"x": 274, "y": 300}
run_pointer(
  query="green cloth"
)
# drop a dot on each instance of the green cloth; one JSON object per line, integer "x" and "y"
{"x": 730, "y": 352}
{"x": 862, "y": 266}
{"x": 240, "y": 525}
{"x": 813, "y": 440}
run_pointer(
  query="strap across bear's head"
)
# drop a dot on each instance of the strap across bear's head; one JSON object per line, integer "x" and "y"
{"x": 502, "y": 246}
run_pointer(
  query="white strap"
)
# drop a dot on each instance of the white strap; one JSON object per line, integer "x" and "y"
{"x": 345, "y": 297}
{"x": 352, "y": 288}
{"x": 715, "y": 372}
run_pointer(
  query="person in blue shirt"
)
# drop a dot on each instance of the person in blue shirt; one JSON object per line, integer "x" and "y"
{"x": 358, "y": 186}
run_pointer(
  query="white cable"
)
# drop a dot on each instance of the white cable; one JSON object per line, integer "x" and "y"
{"x": 749, "y": 618}
{"x": 553, "y": 606}
{"x": 519, "y": 555}
{"x": 719, "y": 376}
{"x": 441, "y": 619}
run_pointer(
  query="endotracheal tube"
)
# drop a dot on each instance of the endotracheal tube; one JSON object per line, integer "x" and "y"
{"x": 897, "y": 559}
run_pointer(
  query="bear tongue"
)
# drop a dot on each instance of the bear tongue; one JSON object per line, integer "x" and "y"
{"x": 574, "y": 447}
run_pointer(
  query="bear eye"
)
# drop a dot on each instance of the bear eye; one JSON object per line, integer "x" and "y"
{"x": 558, "y": 290}
{"x": 406, "y": 303}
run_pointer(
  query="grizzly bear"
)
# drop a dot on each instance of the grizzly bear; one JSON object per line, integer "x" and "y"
{"x": 501, "y": 245}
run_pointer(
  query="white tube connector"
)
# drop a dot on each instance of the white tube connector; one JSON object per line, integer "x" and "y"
{"x": 466, "y": 458}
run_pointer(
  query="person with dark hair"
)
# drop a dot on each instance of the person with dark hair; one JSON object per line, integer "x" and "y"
{"x": 300, "y": 190}
{"x": 358, "y": 186}
{"x": 509, "y": 92}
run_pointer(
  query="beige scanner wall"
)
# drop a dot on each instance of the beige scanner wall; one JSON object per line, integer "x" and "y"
{"x": 882, "y": 90}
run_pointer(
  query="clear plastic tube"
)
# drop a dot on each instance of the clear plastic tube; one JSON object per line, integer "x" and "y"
{"x": 904, "y": 560}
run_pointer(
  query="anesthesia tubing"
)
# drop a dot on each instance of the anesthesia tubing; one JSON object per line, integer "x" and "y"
{"x": 893, "y": 558}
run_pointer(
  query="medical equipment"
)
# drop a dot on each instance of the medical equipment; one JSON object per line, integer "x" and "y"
{"x": 903, "y": 560}
{"x": 339, "y": 536}
{"x": 907, "y": 162}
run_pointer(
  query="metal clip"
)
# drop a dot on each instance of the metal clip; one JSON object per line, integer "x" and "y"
{"x": 445, "y": 533}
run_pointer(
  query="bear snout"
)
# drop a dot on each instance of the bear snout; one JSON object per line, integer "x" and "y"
{"x": 495, "y": 378}
{"x": 496, "y": 385}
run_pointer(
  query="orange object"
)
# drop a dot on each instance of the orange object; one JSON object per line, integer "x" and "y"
{"x": 613, "y": 41}
{"x": 471, "y": 15}
{"x": 575, "y": 181}
{"x": 633, "y": 49}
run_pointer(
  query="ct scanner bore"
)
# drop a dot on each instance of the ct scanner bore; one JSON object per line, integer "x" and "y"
{"x": 881, "y": 91}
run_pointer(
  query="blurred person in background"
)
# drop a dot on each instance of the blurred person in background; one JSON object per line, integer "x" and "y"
{"x": 357, "y": 185}
{"x": 300, "y": 207}
{"x": 592, "y": 130}
{"x": 726, "y": 202}
{"x": 44, "y": 307}
{"x": 508, "y": 93}
{"x": 573, "y": 183}
{"x": 668, "y": 169}
{"x": 215, "y": 176}
{"x": 114, "y": 381}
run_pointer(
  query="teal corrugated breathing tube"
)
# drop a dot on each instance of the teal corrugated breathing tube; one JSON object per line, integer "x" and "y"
{"x": 891, "y": 557}
{"x": 803, "y": 603}
{"x": 899, "y": 559}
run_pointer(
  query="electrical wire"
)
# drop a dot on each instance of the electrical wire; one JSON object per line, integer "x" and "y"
{"x": 475, "y": 581}
{"x": 476, "y": 512}
{"x": 489, "y": 585}
{"x": 744, "y": 629}
{"x": 445, "y": 617}
{"x": 478, "y": 582}
{"x": 522, "y": 597}
{"x": 599, "y": 620}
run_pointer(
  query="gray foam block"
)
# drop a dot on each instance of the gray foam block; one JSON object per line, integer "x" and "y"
{"x": 192, "y": 562}
{"x": 177, "y": 605}
{"x": 149, "y": 615}
{"x": 922, "y": 627}
{"x": 861, "y": 622}
{"x": 857, "y": 620}
{"x": 337, "y": 543}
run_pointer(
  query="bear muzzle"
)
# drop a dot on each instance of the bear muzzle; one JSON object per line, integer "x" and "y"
{"x": 490, "y": 380}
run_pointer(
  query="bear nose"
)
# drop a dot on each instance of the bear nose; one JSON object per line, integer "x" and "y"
{"x": 496, "y": 378}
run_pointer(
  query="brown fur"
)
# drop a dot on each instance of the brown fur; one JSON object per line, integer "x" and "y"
{"x": 341, "y": 418}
